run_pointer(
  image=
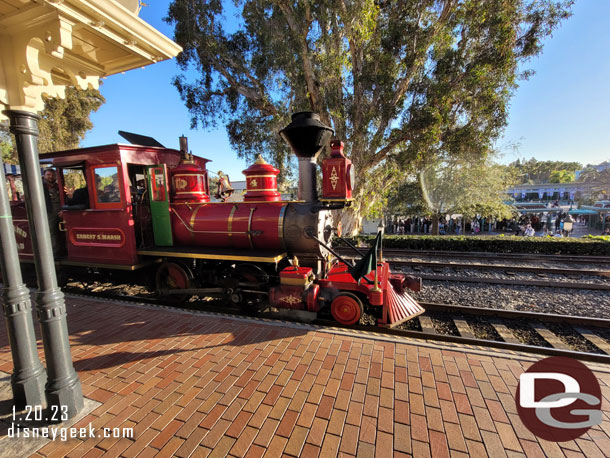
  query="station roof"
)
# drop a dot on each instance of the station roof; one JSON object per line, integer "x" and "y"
{"x": 582, "y": 211}
{"x": 46, "y": 45}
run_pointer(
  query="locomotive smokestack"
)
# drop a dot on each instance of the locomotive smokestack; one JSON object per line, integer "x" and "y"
{"x": 306, "y": 135}
{"x": 184, "y": 144}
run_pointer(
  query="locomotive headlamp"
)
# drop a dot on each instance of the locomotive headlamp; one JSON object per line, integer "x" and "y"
{"x": 338, "y": 175}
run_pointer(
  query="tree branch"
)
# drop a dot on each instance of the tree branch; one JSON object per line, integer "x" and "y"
{"x": 308, "y": 71}
{"x": 383, "y": 152}
{"x": 356, "y": 53}
{"x": 424, "y": 190}
{"x": 249, "y": 93}
{"x": 417, "y": 63}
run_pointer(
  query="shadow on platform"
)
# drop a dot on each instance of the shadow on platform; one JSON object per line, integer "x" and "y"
{"x": 101, "y": 343}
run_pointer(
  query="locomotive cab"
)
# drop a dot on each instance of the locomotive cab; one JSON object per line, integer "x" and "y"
{"x": 95, "y": 223}
{"x": 105, "y": 210}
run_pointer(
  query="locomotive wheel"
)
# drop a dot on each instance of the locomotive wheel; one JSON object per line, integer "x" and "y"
{"x": 171, "y": 275}
{"x": 346, "y": 308}
{"x": 256, "y": 277}
{"x": 250, "y": 273}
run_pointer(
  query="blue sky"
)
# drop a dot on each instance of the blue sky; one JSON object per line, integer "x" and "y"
{"x": 561, "y": 113}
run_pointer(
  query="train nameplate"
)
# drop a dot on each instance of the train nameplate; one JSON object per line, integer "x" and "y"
{"x": 110, "y": 237}
{"x": 21, "y": 236}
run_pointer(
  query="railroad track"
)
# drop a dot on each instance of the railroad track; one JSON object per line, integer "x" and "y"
{"x": 516, "y": 282}
{"x": 504, "y": 268}
{"x": 509, "y": 270}
{"x": 522, "y": 257}
{"x": 511, "y": 330}
{"x": 584, "y": 330}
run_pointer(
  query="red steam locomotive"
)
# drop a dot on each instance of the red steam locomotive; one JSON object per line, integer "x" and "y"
{"x": 148, "y": 208}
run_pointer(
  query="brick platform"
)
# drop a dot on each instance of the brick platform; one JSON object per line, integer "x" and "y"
{"x": 198, "y": 385}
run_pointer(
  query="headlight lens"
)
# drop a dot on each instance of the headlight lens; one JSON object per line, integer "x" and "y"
{"x": 351, "y": 177}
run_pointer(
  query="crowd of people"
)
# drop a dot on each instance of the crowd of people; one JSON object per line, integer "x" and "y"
{"x": 530, "y": 225}
{"x": 549, "y": 224}
{"x": 423, "y": 225}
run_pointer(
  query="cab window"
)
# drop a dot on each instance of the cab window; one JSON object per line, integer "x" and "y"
{"x": 107, "y": 187}
{"x": 158, "y": 185}
{"x": 74, "y": 183}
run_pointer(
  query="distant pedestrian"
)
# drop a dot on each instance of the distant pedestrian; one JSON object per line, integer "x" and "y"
{"x": 549, "y": 222}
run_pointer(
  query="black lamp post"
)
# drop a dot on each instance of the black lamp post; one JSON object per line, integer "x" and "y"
{"x": 63, "y": 388}
{"x": 28, "y": 377}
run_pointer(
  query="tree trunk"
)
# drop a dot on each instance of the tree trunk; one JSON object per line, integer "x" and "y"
{"x": 351, "y": 222}
{"x": 435, "y": 224}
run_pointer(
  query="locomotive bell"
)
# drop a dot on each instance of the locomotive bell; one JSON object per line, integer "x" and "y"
{"x": 307, "y": 135}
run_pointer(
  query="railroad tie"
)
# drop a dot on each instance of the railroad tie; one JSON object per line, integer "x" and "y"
{"x": 426, "y": 324}
{"x": 596, "y": 340}
{"x": 549, "y": 336}
{"x": 504, "y": 332}
{"x": 464, "y": 328}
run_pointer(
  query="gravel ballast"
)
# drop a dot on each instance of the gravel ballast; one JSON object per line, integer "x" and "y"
{"x": 524, "y": 298}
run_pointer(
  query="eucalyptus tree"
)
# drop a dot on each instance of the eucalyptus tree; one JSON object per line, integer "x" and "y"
{"x": 532, "y": 171}
{"x": 65, "y": 120}
{"x": 561, "y": 176}
{"x": 6, "y": 146}
{"x": 598, "y": 178}
{"x": 401, "y": 82}
{"x": 470, "y": 187}
{"x": 63, "y": 124}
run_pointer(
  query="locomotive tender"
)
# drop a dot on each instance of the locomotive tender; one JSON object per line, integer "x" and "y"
{"x": 264, "y": 250}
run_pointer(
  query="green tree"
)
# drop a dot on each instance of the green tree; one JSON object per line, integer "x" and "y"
{"x": 537, "y": 172}
{"x": 6, "y": 146}
{"x": 65, "y": 121}
{"x": 473, "y": 187}
{"x": 595, "y": 173}
{"x": 561, "y": 176}
{"x": 401, "y": 82}
{"x": 598, "y": 177}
